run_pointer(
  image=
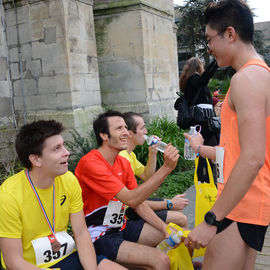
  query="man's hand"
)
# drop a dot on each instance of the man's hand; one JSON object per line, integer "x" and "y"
{"x": 179, "y": 202}
{"x": 171, "y": 156}
{"x": 152, "y": 149}
{"x": 195, "y": 141}
{"x": 200, "y": 236}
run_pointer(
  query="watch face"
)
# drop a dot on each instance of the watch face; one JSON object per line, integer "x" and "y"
{"x": 169, "y": 204}
{"x": 210, "y": 218}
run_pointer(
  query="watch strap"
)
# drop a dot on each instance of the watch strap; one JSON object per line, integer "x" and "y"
{"x": 169, "y": 204}
{"x": 213, "y": 222}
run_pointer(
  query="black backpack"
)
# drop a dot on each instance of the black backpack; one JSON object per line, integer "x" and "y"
{"x": 190, "y": 115}
{"x": 185, "y": 112}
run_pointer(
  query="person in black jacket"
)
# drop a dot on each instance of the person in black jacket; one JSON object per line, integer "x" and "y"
{"x": 193, "y": 83}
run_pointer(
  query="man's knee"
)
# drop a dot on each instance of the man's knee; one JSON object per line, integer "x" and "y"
{"x": 162, "y": 260}
{"x": 178, "y": 218}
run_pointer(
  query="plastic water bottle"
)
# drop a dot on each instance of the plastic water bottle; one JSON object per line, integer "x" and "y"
{"x": 189, "y": 154}
{"x": 151, "y": 140}
{"x": 169, "y": 243}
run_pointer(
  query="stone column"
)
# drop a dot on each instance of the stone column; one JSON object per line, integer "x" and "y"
{"x": 53, "y": 61}
{"x": 7, "y": 125}
{"x": 137, "y": 55}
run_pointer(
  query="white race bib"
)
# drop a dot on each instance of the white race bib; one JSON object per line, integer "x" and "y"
{"x": 43, "y": 248}
{"x": 114, "y": 216}
{"x": 219, "y": 164}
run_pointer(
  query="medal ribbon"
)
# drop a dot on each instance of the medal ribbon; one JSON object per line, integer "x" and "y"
{"x": 52, "y": 226}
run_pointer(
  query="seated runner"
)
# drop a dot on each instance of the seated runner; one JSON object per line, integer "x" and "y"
{"x": 169, "y": 210}
{"x": 37, "y": 204}
{"x": 108, "y": 185}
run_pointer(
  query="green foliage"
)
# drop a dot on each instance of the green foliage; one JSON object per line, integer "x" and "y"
{"x": 79, "y": 147}
{"x": 259, "y": 44}
{"x": 177, "y": 182}
{"x": 190, "y": 33}
{"x": 169, "y": 132}
{"x": 191, "y": 36}
{"x": 223, "y": 85}
{"x": 9, "y": 168}
{"x": 174, "y": 184}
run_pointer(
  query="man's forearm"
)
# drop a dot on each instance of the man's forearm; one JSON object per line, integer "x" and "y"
{"x": 138, "y": 195}
{"x": 22, "y": 265}
{"x": 146, "y": 213}
{"x": 157, "y": 205}
{"x": 206, "y": 151}
{"x": 150, "y": 167}
{"x": 86, "y": 251}
{"x": 238, "y": 184}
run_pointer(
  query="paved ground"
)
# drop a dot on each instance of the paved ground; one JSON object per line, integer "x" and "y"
{"x": 263, "y": 258}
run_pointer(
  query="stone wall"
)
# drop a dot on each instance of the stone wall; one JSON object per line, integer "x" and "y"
{"x": 7, "y": 125}
{"x": 50, "y": 69}
{"x": 53, "y": 62}
{"x": 136, "y": 46}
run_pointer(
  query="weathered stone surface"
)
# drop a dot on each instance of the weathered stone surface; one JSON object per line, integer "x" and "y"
{"x": 142, "y": 67}
{"x": 15, "y": 72}
{"x": 25, "y": 33}
{"x": 30, "y": 87}
{"x": 13, "y": 55}
{"x": 4, "y": 89}
{"x": 136, "y": 64}
{"x": 12, "y": 38}
{"x": 4, "y": 106}
{"x": 3, "y": 68}
{"x": 50, "y": 35}
{"x": 39, "y": 11}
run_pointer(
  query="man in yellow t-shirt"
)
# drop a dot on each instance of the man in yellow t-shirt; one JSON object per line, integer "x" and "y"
{"x": 37, "y": 204}
{"x": 169, "y": 210}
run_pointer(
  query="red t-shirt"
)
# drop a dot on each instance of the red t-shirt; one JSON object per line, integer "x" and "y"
{"x": 100, "y": 181}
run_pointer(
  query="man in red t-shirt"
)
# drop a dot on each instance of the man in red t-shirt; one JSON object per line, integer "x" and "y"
{"x": 108, "y": 185}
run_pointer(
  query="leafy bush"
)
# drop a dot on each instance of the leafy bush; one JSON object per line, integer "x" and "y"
{"x": 174, "y": 184}
{"x": 168, "y": 131}
{"x": 79, "y": 147}
{"x": 9, "y": 168}
{"x": 223, "y": 85}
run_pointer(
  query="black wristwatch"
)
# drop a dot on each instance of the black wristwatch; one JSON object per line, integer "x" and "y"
{"x": 210, "y": 218}
{"x": 169, "y": 205}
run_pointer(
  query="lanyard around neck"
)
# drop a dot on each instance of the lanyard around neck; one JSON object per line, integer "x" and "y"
{"x": 52, "y": 226}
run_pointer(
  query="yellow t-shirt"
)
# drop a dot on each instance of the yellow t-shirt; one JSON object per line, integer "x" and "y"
{"x": 136, "y": 165}
{"x": 21, "y": 215}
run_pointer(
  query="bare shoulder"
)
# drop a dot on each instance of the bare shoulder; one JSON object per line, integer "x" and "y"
{"x": 250, "y": 87}
{"x": 252, "y": 80}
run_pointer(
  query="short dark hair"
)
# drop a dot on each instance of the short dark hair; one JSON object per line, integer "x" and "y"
{"x": 130, "y": 121}
{"x": 236, "y": 13}
{"x": 101, "y": 125}
{"x": 31, "y": 138}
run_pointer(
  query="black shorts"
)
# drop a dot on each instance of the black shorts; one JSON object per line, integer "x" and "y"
{"x": 72, "y": 262}
{"x": 108, "y": 244}
{"x": 132, "y": 215}
{"x": 253, "y": 235}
